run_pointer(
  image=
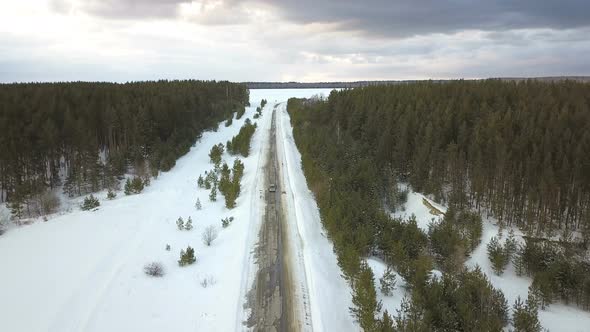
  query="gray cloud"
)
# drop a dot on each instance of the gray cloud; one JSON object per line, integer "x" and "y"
{"x": 399, "y": 18}
{"x": 388, "y": 18}
{"x": 302, "y": 40}
{"x": 121, "y": 9}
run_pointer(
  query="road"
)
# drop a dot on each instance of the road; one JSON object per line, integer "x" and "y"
{"x": 271, "y": 298}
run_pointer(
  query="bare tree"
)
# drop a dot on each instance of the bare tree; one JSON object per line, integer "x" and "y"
{"x": 209, "y": 235}
{"x": 154, "y": 269}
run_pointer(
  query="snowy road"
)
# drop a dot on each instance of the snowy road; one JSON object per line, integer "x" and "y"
{"x": 270, "y": 298}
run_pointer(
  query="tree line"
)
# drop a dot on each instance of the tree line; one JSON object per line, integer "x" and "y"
{"x": 519, "y": 151}
{"x": 240, "y": 144}
{"x": 85, "y": 135}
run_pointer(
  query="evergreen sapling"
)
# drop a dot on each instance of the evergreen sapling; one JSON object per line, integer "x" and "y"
{"x": 180, "y": 223}
{"x": 189, "y": 224}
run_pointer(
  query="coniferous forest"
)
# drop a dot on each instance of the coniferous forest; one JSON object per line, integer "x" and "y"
{"x": 82, "y": 136}
{"x": 517, "y": 151}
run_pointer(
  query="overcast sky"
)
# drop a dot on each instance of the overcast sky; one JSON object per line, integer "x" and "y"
{"x": 285, "y": 40}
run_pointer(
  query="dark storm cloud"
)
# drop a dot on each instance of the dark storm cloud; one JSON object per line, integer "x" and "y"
{"x": 406, "y": 18}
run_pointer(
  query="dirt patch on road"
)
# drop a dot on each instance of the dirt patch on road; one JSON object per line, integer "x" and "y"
{"x": 271, "y": 298}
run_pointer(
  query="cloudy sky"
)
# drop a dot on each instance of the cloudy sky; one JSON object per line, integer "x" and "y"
{"x": 285, "y": 40}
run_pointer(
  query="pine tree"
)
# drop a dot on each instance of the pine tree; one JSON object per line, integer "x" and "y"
{"x": 187, "y": 257}
{"x": 198, "y": 205}
{"x": 388, "y": 281}
{"x": 216, "y": 153}
{"x": 90, "y": 203}
{"x": 386, "y": 323}
{"x": 510, "y": 245}
{"x": 213, "y": 194}
{"x": 410, "y": 317}
{"x": 497, "y": 256}
{"x": 128, "y": 189}
{"x": 16, "y": 204}
{"x": 137, "y": 185}
{"x": 180, "y": 223}
{"x": 364, "y": 298}
{"x": 111, "y": 194}
{"x": 525, "y": 316}
{"x": 518, "y": 261}
{"x": 201, "y": 182}
{"x": 189, "y": 224}
{"x": 226, "y": 221}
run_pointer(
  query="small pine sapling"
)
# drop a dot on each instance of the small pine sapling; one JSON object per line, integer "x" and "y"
{"x": 180, "y": 223}
{"x": 226, "y": 221}
{"x": 167, "y": 247}
{"x": 111, "y": 194}
{"x": 90, "y": 203}
{"x": 189, "y": 224}
{"x": 497, "y": 256}
{"x": 388, "y": 282}
{"x": 187, "y": 257}
{"x": 510, "y": 246}
{"x": 127, "y": 188}
{"x": 213, "y": 194}
{"x": 198, "y": 204}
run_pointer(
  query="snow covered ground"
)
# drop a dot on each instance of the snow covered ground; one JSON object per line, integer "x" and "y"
{"x": 416, "y": 206}
{"x": 83, "y": 271}
{"x": 556, "y": 317}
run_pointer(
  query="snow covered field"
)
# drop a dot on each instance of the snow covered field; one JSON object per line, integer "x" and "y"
{"x": 556, "y": 317}
{"x": 83, "y": 271}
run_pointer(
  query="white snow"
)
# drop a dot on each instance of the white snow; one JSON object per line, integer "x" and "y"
{"x": 83, "y": 271}
{"x": 393, "y": 302}
{"x": 328, "y": 294}
{"x": 556, "y": 317}
{"x": 415, "y": 206}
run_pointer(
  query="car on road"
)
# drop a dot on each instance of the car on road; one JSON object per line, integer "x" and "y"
{"x": 272, "y": 188}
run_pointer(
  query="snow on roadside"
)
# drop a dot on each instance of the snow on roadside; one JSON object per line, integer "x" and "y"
{"x": 329, "y": 296}
{"x": 83, "y": 271}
